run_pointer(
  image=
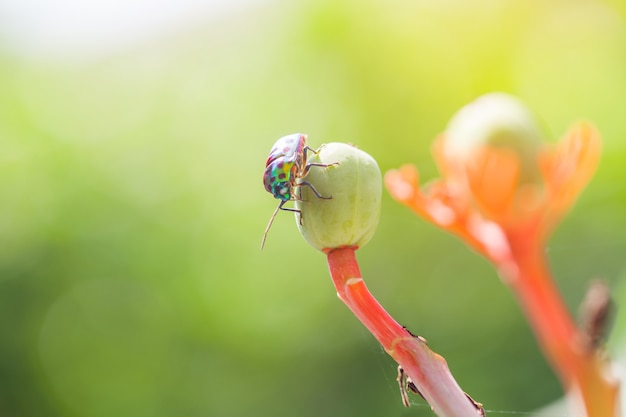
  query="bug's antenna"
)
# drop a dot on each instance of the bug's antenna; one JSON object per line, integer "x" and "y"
{"x": 267, "y": 229}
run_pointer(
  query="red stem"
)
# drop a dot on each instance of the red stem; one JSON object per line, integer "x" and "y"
{"x": 584, "y": 372}
{"x": 351, "y": 289}
{"x": 428, "y": 371}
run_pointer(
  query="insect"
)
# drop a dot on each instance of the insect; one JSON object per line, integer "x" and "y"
{"x": 406, "y": 383}
{"x": 286, "y": 164}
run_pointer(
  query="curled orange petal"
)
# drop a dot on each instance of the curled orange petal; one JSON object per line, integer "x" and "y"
{"x": 571, "y": 165}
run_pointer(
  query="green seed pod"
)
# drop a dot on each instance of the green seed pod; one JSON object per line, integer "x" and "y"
{"x": 350, "y": 216}
{"x": 497, "y": 120}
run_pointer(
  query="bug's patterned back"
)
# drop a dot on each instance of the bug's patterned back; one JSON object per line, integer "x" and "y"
{"x": 288, "y": 147}
{"x": 285, "y": 161}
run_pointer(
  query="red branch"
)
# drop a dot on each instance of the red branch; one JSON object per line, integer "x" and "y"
{"x": 585, "y": 371}
{"x": 427, "y": 370}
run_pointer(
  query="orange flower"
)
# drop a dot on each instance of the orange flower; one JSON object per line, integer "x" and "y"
{"x": 499, "y": 177}
{"x": 503, "y": 189}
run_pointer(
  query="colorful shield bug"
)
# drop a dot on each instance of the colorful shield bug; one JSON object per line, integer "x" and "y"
{"x": 285, "y": 166}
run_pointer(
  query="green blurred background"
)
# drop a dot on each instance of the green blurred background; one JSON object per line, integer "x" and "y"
{"x": 132, "y": 207}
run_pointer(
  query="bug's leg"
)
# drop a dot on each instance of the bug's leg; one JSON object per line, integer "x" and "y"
{"x": 280, "y": 207}
{"x": 402, "y": 383}
{"x": 307, "y": 148}
{"x": 317, "y": 194}
{"x": 405, "y": 382}
{"x": 313, "y": 164}
{"x": 293, "y": 210}
{"x": 315, "y": 151}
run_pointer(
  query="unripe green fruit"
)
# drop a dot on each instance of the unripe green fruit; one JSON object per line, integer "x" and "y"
{"x": 350, "y": 216}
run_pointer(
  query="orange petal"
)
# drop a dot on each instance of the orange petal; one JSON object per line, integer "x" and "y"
{"x": 403, "y": 183}
{"x": 435, "y": 204}
{"x": 442, "y": 208}
{"x": 493, "y": 180}
{"x": 572, "y": 165}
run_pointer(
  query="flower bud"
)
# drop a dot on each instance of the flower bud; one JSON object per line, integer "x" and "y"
{"x": 350, "y": 216}
{"x": 495, "y": 120}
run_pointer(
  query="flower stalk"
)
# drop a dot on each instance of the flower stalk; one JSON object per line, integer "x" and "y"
{"x": 585, "y": 371}
{"x": 428, "y": 371}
